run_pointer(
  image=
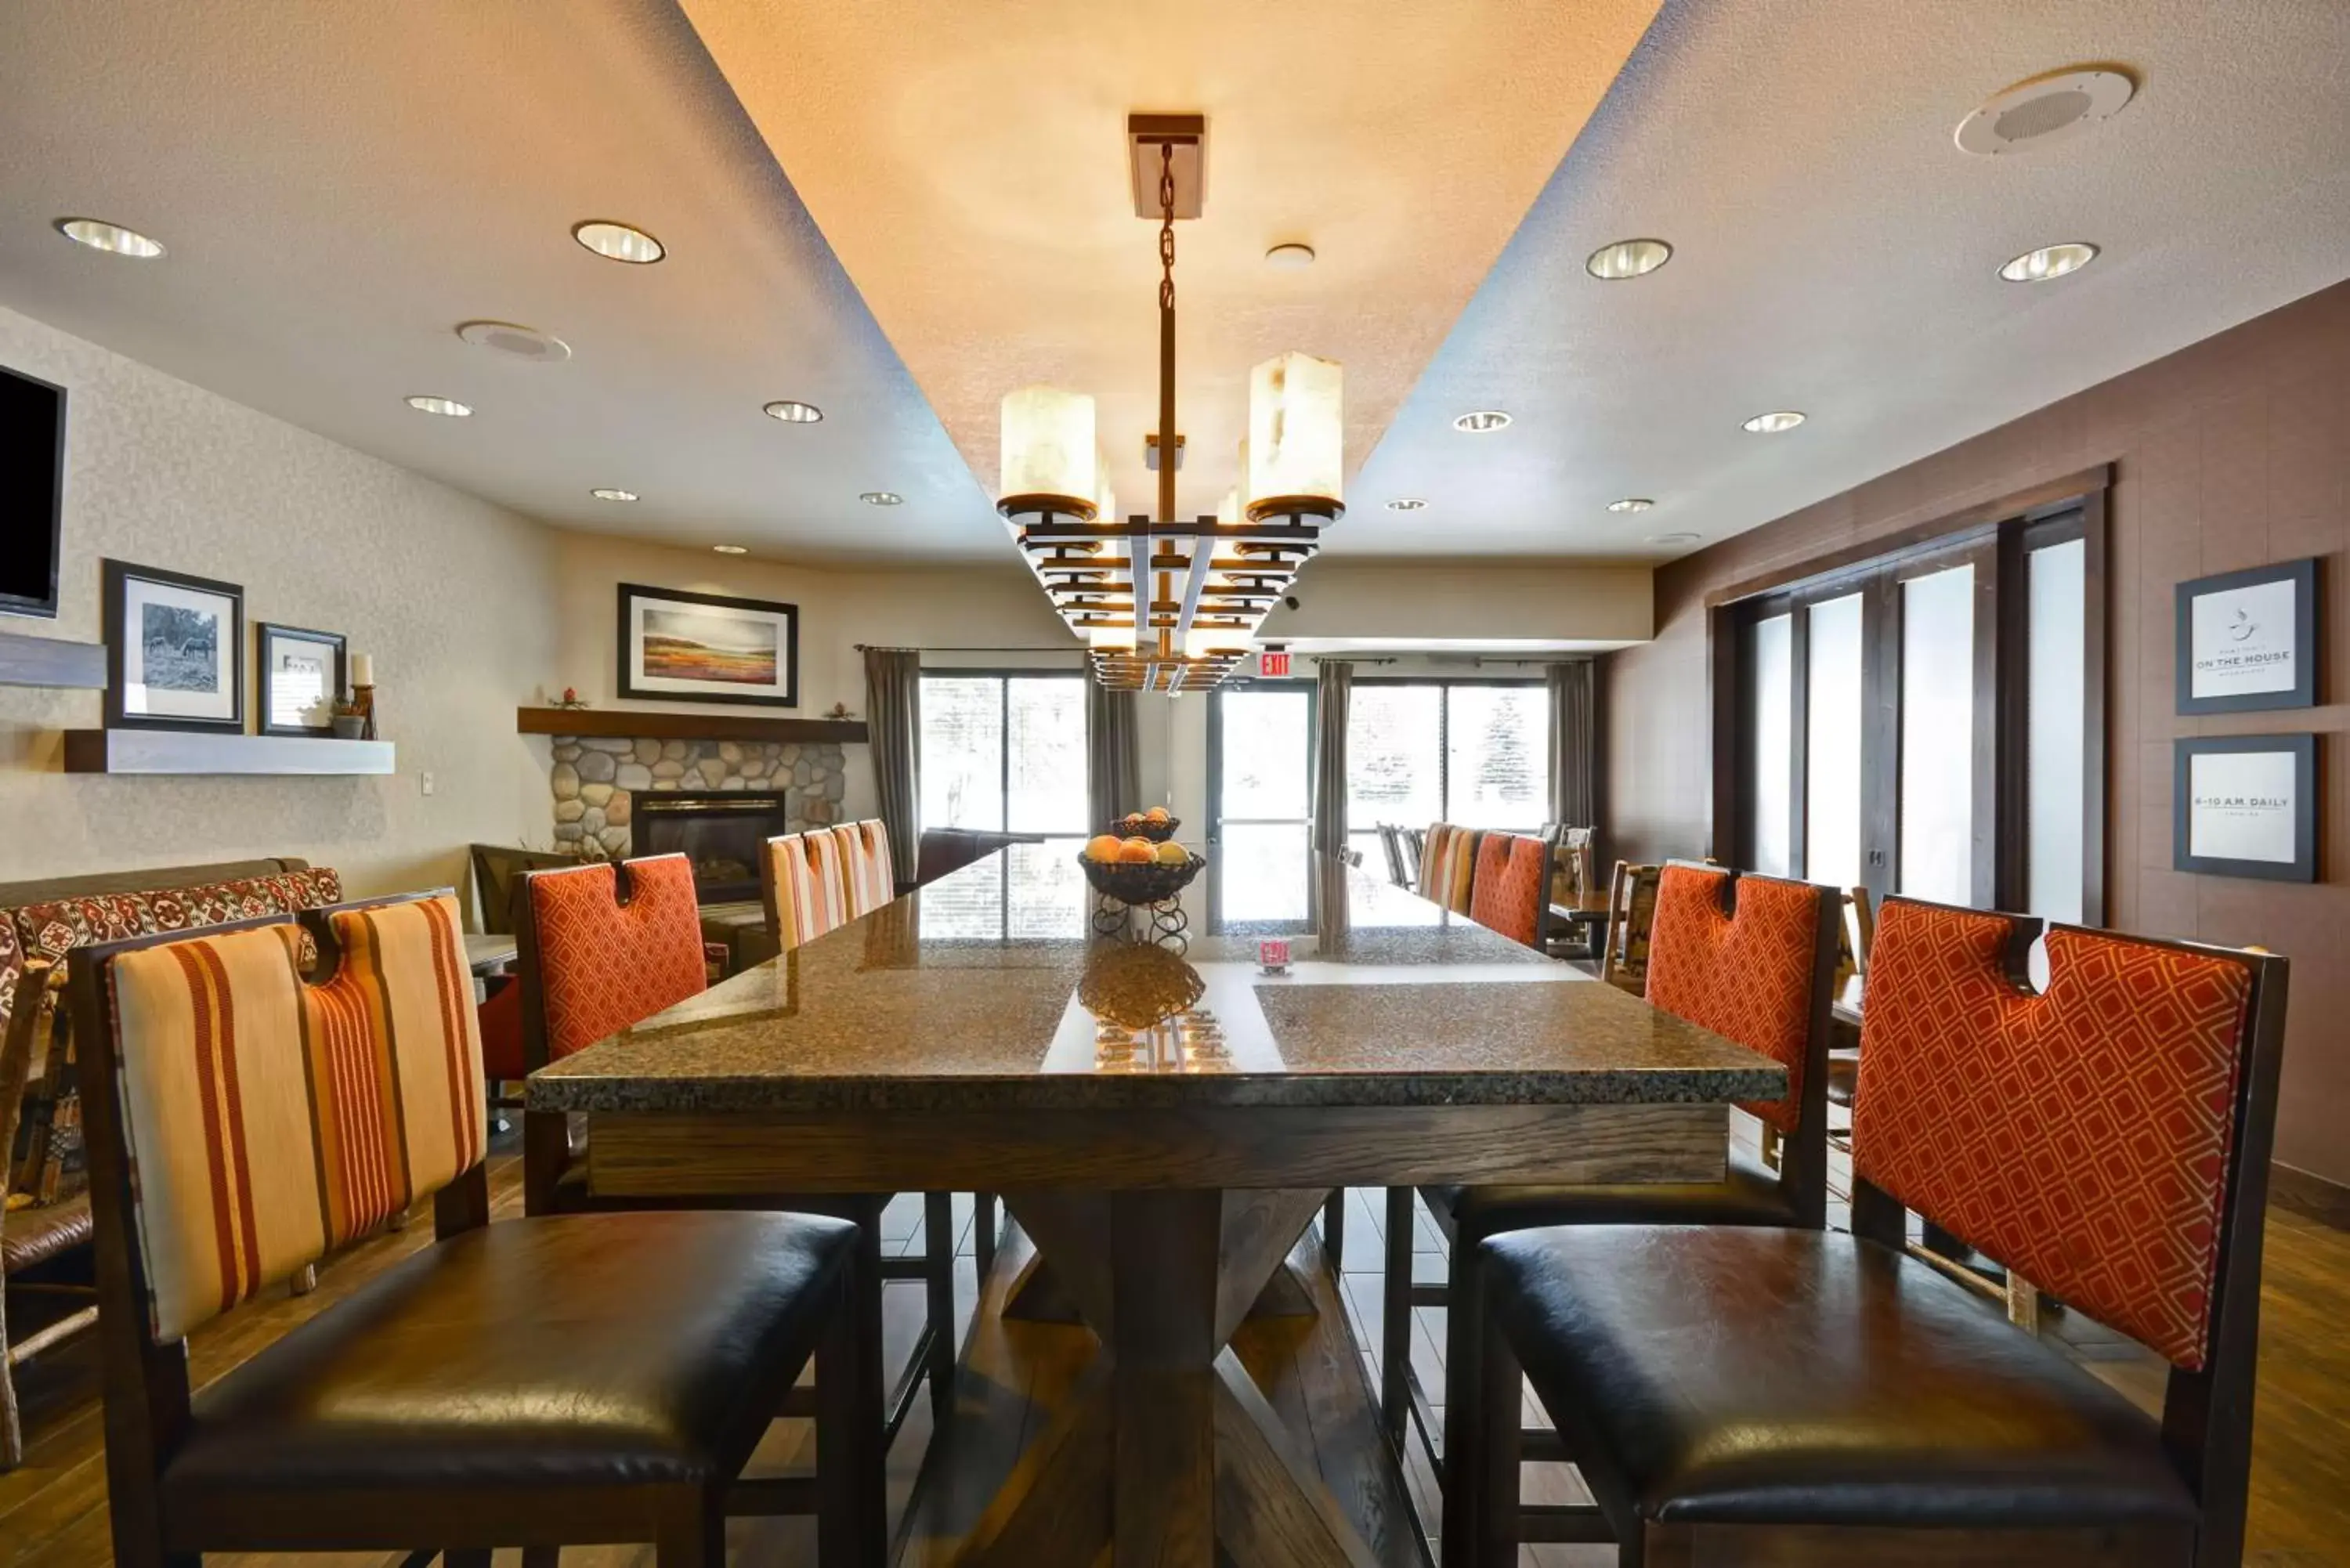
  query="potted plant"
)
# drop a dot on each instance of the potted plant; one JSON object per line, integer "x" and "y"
{"x": 350, "y": 719}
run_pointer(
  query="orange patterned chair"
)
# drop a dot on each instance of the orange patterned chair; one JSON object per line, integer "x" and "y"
{"x": 242, "y": 1121}
{"x": 1785, "y": 1395}
{"x": 1751, "y": 958}
{"x": 597, "y": 956}
{"x": 1511, "y": 886}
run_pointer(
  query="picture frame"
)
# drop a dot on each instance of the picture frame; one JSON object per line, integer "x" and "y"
{"x": 175, "y": 649}
{"x": 2245, "y": 805}
{"x": 298, "y": 676}
{"x": 2248, "y": 640}
{"x": 681, "y": 647}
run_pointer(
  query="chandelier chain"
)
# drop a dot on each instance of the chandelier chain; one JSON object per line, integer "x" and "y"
{"x": 1167, "y": 225}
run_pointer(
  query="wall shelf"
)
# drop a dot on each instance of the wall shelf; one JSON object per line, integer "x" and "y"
{"x": 51, "y": 661}
{"x": 207, "y": 752}
{"x": 631, "y": 723}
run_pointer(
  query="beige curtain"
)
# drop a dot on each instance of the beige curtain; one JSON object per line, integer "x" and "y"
{"x": 1574, "y": 737}
{"x": 1113, "y": 753}
{"x": 893, "y": 713}
{"x": 1333, "y": 696}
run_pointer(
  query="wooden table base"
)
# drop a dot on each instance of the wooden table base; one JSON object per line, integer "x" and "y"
{"x": 1168, "y": 1447}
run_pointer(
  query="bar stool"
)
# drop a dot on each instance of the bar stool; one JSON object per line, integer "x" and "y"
{"x": 1785, "y": 1395}
{"x": 241, "y": 1123}
{"x": 1511, "y": 894}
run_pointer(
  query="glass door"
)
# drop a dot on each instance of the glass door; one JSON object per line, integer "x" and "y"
{"x": 1260, "y": 800}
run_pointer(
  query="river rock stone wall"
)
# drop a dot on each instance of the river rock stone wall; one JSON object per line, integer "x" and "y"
{"x": 594, "y": 774}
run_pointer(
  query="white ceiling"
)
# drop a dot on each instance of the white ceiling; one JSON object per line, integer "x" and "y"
{"x": 341, "y": 186}
{"x": 1836, "y": 254}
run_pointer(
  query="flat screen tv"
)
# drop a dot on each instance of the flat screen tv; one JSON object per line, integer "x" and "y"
{"x": 32, "y": 492}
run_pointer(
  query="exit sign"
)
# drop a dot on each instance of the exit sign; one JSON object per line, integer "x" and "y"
{"x": 1272, "y": 666}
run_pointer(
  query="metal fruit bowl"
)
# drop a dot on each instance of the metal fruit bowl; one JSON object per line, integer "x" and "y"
{"x": 1143, "y": 828}
{"x": 1133, "y": 882}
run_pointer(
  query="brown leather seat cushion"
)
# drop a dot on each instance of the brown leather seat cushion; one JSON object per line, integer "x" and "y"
{"x": 1749, "y": 1195}
{"x": 1779, "y": 1376}
{"x": 579, "y": 1351}
{"x": 29, "y": 1236}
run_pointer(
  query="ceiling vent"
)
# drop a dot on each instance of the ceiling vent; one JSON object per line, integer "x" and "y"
{"x": 2045, "y": 110}
{"x": 522, "y": 342}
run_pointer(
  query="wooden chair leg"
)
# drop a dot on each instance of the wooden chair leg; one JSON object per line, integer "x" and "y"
{"x": 1488, "y": 1472}
{"x": 1334, "y": 1231}
{"x": 2022, "y": 1303}
{"x": 938, "y": 1281}
{"x": 1395, "y": 1321}
{"x": 304, "y": 1282}
{"x": 983, "y": 1233}
{"x": 852, "y": 1502}
{"x": 692, "y": 1534}
{"x": 474, "y": 1557}
{"x": 12, "y": 1432}
{"x": 541, "y": 1556}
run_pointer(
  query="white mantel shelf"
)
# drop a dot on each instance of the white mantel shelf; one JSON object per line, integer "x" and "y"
{"x": 212, "y": 752}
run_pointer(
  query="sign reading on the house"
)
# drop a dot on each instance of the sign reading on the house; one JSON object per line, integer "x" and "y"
{"x": 2244, "y": 640}
{"x": 1273, "y": 664}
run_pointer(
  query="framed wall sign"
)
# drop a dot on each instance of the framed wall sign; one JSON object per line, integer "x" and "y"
{"x": 301, "y": 676}
{"x": 2248, "y": 640}
{"x": 708, "y": 648}
{"x": 174, "y": 650}
{"x": 2245, "y": 805}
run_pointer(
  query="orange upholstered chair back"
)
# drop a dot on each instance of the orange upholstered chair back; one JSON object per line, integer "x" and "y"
{"x": 2081, "y": 1136}
{"x": 1511, "y": 881}
{"x": 265, "y": 1121}
{"x": 1755, "y": 976}
{"x": 602, "y": 963}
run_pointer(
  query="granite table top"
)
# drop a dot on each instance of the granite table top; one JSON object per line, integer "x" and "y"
{"x": 990, "y": 990}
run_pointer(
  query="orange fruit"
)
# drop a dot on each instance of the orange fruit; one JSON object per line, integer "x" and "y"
{"x": 1138, "y": 852}
{"x": 1173, "y": 854}
{"x": 1156, "y": 813}
{"x": 1105, "y": 847}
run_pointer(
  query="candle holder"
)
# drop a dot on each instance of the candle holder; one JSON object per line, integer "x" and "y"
{"x": 363, "y": 698}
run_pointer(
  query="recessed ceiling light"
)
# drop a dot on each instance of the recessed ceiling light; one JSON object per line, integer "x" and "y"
{"x": 1481, "y": 421}
{"x": 2049, "y": 262}
{"x": 731, "y": 549}
{"x": 611, "y": 495}
{"x": 112, "y": 238}
{"x": 619, "y": 242}
{"x": 1290, "y": 256}
{"x": 1627, "y": 258}
{"x": 1631, "y": 503}
{"x": 424, "y": 404}
{"x": 1673, "y": 538}
{"x": 792, "y": 412}
{"x": 882, "y": 498}
{"x": 522, "y": 342}
{"x": 1772, "y": 423}
{"x": 1408, "y": 504}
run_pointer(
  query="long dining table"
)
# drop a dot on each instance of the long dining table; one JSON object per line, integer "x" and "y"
{"x": 1164, "y": 1117}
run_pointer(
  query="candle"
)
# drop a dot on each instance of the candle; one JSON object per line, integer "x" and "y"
{"x": 362, "y": 670}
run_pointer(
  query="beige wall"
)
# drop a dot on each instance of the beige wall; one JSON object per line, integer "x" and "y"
{"x": 1368, "y": 602}
{"x": 445, "y": 591}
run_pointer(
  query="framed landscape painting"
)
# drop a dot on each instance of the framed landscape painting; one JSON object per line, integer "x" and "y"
{"x": 708, "y": 648}
{"x": 174, "y": 650}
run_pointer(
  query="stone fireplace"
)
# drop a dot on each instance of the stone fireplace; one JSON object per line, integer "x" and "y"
{"x": 722, "y": 832}
{"x": 599, "y": 782}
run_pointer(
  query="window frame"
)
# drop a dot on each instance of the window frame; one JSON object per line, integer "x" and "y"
{"x": 1444, "y": 734}
{"x": 1002, "y": 676}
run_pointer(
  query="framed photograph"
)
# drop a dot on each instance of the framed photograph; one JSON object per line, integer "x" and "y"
{"x": 301, "y": 676}
{"x": 708, "y": 648}
{"x": 2245, "y": 805}
{"x": 2248, "y": 640}
{"x": 174, "y": 650}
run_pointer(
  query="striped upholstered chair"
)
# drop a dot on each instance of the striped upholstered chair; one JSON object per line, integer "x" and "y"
{"x": 1781, "y": 1396}
{"x": 802, "y": 877}
{"x": 865, "y": 865}
{"x": 242, "y": 1121}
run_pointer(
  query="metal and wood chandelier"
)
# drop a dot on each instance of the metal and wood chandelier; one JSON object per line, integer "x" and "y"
{"x": 1169, "y": 605}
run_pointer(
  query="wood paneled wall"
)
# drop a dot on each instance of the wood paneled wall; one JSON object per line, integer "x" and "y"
{"x": 2231, "y": 452}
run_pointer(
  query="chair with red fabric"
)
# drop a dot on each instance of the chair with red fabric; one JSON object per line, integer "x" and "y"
{"x": 601, "y": 948}
{"x": 1512, "y": 884}
{"x": 1751, "y": 958}
{"x": 1786, "y": 1395}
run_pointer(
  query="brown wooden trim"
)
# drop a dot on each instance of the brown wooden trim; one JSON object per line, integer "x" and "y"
{"x": 2095, "y": 786}
{"x": 2072, "y": 487}
{"x": 1726, "y": 682}
{"x": 632, "y": 723}
{"x": 2309, "y": 1195}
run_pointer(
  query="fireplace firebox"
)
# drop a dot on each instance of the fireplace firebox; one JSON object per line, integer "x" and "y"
{"x": 722, "y": 832}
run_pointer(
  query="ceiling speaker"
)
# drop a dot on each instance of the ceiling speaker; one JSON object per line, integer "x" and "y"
{"x": 2045, "y": 110}
{"x": 522, "y": 342}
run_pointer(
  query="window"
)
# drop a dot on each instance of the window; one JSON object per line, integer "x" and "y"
{"x": 1476, "y": 753}
{"x": 1261, "y": 775}
{"x": 1006, "y": 752}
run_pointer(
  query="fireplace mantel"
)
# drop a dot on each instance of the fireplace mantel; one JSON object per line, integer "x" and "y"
{"x": 630, "y": 723}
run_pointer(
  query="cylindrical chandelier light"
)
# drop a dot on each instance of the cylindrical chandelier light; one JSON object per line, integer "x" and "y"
{"x": 1050, "y": 461}
{"x": 1296, "y": 441}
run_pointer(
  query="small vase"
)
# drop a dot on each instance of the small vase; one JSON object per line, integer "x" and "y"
{"x": 350, "y": 726}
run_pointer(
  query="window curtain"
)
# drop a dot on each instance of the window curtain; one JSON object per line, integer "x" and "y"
{"x": 1333, "y": 696}
{"x": 1113, "y": 753}
{"x": 893, "y": 712}
{"x": 1574, "y": 733}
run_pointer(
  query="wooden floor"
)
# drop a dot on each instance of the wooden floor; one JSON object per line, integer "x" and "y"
{"x": 53, "y": 1508}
